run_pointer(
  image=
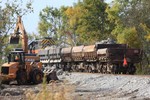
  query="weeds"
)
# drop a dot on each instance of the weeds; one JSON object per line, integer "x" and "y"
{"x": 52, "y": 91}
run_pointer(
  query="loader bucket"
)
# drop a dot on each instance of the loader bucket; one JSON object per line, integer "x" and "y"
{"x": 14, "y": 40}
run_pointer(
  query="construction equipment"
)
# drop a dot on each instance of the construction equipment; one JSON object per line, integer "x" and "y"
{"x": 21, "y": 66}
{"x": 20, "y": 32}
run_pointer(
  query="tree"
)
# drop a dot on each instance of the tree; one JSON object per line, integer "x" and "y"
{"x": 88, "y": 21}
{"x": 53, "y": 23}
{"x": 50, "y": 22}
{"x": 83, "y": 23}
{"x": 9, "y": 10}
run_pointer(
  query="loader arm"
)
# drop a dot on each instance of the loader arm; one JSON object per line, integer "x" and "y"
{"x": 20, "y": 32}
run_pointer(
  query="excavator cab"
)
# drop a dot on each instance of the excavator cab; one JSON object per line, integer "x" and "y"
{"x": 14, "y": 38}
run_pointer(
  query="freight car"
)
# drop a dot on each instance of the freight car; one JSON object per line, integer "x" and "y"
{"x": 50, "y": 56}
{"x": 100, "y": 57}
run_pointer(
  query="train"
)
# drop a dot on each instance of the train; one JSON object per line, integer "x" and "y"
{"x": 102, "y": 57}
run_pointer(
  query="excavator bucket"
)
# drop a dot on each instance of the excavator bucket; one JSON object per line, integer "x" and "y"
{"x": 14, "y": 39}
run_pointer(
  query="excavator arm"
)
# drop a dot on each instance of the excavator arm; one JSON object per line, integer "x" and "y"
{"x": 19, "y": 32}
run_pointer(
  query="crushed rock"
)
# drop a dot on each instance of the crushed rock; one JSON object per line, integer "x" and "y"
{"x": 108, "y": 86}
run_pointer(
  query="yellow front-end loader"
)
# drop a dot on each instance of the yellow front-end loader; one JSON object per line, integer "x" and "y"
{"x": 21, "y": 66}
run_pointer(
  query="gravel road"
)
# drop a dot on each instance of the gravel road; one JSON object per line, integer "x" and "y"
{"x": 91, "y": 87}
{"x": 110, "y": 87}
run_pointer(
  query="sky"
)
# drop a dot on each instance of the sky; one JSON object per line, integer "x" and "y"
{"x": 31, "y": 20}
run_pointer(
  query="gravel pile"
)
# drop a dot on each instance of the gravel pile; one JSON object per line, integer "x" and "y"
{"x": 109, "y": 87}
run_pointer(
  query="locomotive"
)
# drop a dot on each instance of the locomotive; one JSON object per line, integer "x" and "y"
{"x": 102, "y": 57}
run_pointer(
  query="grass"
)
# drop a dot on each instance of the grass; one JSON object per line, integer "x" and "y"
{"x": 53, "y": 91}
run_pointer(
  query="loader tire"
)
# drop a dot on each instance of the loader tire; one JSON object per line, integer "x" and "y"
{"x": 21, "y": 77}
{"x": 37, "y": 76}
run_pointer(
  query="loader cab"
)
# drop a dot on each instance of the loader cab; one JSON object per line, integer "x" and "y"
{"x": 17, "y": 56}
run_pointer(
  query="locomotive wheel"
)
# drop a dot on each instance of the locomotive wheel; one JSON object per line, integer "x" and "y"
{"x": 21, "y": 77}
{"x": 36, "y": 76}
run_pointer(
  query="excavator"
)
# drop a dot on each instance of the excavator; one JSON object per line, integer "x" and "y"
{"x": 22, "y": 66}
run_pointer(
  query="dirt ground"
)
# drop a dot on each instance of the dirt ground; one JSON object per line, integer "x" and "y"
{"x": 89, "y": 87}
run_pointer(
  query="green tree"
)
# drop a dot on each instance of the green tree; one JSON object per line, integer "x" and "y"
{"x": 88, "y": 20}
{"x": 50, "y": 22}
{"x": 67, "y": 32}
{"x": 83, "y": 23}
{"x": 53, "y": 23}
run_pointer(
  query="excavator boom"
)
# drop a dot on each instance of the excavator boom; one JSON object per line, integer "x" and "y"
{"x": 19, "y": 32}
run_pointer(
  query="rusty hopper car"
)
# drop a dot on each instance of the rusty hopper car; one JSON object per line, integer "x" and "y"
{"x": 66, "y": 58}
{"x": 89, "y": 53}
{"x": 111, "y": 55}
{"x": 111, "y": 60}
{"x": 90, "y": 58}
{"x": 66, "y": 54}
{"x": 110, "y": 52}
{"x": 101, "y": 46}
{"x": 77, "y": 54}
{"x": 77, "y": 58}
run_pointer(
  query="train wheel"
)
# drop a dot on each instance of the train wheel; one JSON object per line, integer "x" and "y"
{"x": 104, "y": 69}
{"x": 98, "y": 69}
{"x": 81, "y": 70}
{"x": 86, "y": 68}
{"x": 114, "y": 69}
{"x": 132, "y": 70}
{"x": 72, "y": 68}
{"x": 21, "y": 77}
{"x": 77, "y": 68}
{"x": 89, "y": 69}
